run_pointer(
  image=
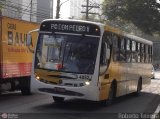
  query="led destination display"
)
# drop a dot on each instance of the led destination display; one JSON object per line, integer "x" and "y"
{"x": 70, "y": 27}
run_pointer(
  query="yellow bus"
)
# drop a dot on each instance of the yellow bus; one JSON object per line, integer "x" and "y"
{"x": 86, "y": 60}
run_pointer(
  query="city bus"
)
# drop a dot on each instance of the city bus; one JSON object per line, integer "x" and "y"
{"x": 77, "y": 59}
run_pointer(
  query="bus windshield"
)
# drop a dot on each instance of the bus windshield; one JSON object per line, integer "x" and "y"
{"x": 66, "y": 53}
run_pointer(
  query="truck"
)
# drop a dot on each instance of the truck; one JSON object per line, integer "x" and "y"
{"x": 15, "y": 56}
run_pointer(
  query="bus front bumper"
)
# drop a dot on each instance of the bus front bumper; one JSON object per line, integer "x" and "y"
{"x": 88, "y": 92}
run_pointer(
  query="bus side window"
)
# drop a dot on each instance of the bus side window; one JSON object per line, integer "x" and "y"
{"x": 134, "y": 52}
{"x": 146, "y": 53}
{"x": 150, "y": 53}
{"x": 115, "y": 48}
{"x": 138, "y": 51}
{"x": 122, "y": 53}
{"x": 142, "y": 52}
{"x": 128, "y": 50}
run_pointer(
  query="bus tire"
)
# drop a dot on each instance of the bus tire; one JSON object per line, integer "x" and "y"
{"x": 112, "y": 92}
{"x": 139, "y": 87}
{"x": 58, "y": 99}
{"x": 0, "y": 90}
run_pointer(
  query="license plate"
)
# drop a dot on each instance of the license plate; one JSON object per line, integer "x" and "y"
{"x": 57, "y": 89}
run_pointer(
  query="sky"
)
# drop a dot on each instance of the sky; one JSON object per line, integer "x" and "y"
{"x": 64, "y": 12}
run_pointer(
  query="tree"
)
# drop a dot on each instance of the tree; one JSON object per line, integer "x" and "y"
{"x": 1, "y": 6}
{"x": 144, "y": 14}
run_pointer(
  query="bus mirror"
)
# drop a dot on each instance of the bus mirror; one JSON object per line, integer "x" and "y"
{"x": 29, "y": 37}
{"x": 108, "y": 54}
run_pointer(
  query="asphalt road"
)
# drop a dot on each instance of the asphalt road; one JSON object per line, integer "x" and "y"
{"x": 37, "y": 106}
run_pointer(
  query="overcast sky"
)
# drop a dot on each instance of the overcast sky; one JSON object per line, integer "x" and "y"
{"x": 64, "y": 12}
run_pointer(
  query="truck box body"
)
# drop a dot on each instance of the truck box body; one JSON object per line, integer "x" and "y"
{"x": 15, "y": 57}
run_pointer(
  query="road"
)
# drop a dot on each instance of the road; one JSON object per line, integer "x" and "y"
{"x": 39, "y": 106}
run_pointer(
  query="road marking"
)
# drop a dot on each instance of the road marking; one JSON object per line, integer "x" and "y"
{"x": 156, "y": 112}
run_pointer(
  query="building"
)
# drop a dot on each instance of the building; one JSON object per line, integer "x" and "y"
{"x": 75, "y": 9}
{"x": 44, "y": 9}
{"x": 30, "y": 10}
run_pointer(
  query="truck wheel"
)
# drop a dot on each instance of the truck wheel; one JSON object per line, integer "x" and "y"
{"x": 25, "y": 91}
{"x": 58, "y": 99}
{"x": 25, "y": 85}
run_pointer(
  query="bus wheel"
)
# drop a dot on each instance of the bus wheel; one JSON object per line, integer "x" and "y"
{"x": 111, "y": 95}
{"x": 58, "y": 99}
{"x": 0, "y": 90}
{"x": 139, "y": 87}
{"x": 112, "y": 92}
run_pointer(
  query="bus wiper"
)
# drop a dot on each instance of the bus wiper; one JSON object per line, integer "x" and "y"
{"x": 83, "y": 36}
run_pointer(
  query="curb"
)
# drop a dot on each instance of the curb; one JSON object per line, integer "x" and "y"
{"x": 156, "y": 113}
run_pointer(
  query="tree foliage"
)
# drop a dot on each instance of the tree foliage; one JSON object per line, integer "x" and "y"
{"x": 1, "y": 5}
{"x": 144, "y": 14}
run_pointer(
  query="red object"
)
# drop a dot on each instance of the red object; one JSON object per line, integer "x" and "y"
{"x": 59, "y": 66}
{"x": 15, "y": 70}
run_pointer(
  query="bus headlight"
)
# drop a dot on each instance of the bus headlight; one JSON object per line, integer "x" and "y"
{"x": 37, "y": 77}
{"x": 87, "y": 83}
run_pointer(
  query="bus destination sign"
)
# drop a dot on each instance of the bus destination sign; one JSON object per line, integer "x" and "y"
{"x": 70, "y": 27}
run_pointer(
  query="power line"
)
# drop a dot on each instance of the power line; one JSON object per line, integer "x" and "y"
{"x": 88, "y": 7}
{"x": 7, "y": 3}
{"x": 13, "y": 7}
{"x": 27, "y": 12}
{"x": 22, "y": 10}
{"x": 75, "y": 6}
{"x": 22, "y": 5}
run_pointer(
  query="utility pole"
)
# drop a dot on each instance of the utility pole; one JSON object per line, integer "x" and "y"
{"x": 88, "y": 8}
{"x": 58, "y": 9}
{"x": 31, "y": 12}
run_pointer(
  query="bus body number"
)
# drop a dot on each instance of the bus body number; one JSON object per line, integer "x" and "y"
{"x": 85, "y": 77}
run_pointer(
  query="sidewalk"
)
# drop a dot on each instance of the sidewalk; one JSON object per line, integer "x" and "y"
{"x": 156, "y": 90}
